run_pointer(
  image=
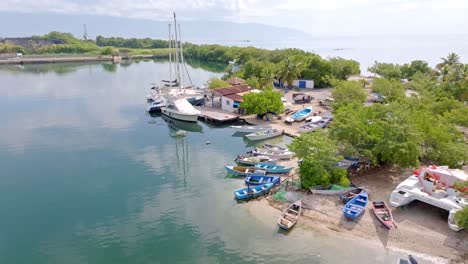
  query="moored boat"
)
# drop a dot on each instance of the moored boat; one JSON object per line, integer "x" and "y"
{"x": 182, "y": 110}
{"x": 252, "y": 192}
{"x": 274, "y": 147}
{"x": 356, "y": 206}
{"x": 250, "y": 129}
{"x": 252, "y": 160}
{"x": 383, "y": 213}
{"x": 290, "y": 216}
{"x": 260, "y": 179}
{"x": 302, "y": 114}
{"x": 264, "y": 134}
{"x": 313, "y": 126}
{"x": 244, "y": 171}
{"x": 271, "y": 153}
{"x": 273, "y": 168}
{"x": 347, "y": 196}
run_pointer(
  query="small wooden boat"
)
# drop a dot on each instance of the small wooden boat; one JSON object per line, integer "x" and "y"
{"x": 273, "y": 168}
{"x": 313, "y": 118}
{"x": 302, "y": 114}
{"x": 290, "y": 216}
{"x": 313, "y": 126}
{"x": 271, "y": 153}
{"x": 250, "y": 129}
{"x": 347, "y": 196}
{"x": 252, "y": 160}
{"x": 356, "y": 206}
{"x": 259, "y": 179}
{"x": 383, "y": 213}
{"x": 264, "y": 134}
{"x": 252, "y": 192}
{"x": 274, "y": 147}
{"x": 244, "y": 171}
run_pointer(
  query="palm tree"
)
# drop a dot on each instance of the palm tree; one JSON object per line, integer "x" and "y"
{"x": 289, "y": 71}
{"x": 267, "y": 77}
{"x": 452, "y": 60}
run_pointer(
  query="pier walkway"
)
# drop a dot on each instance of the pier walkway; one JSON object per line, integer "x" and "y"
{"x": 214, "y": 115}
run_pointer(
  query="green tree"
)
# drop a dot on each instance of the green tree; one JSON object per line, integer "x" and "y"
{"x": 342, "y": 69}
{"x": 319, "y": 159}
{"x": 409, "y": 70}
{"x": 268, "y": 101}
{"x": 451, "y": 60}
{"x": 214, "y": 83}
{"x": 461, "y": 218}
{"x": 253, "y": 82}
{"x": 289, "y": 70}
{"x": 108, "y": 51}
{"x": 386, "y": 70}
{"x": 347, "y": 92}
{"x": 391, "y": 89}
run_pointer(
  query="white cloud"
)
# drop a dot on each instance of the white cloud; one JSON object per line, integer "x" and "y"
{"x": 331, "y": 16}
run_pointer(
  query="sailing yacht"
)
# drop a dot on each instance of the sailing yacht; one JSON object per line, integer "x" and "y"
{"x": 177, "y": 107}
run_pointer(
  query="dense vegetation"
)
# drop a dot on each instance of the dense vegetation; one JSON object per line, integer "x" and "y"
{"x": 215, "y": 83}
{"x": 267, "y": 101}
{"x": 404, "y": 131}
{"x": 131, "y": 43}
{"x": 319, "y": 158}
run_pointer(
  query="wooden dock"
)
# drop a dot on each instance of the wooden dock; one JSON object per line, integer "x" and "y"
{"x": 214, "y": 115}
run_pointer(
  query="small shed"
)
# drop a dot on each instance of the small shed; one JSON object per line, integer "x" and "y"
{"x": 301, "y": 84}
{"x": 232, "y": 97}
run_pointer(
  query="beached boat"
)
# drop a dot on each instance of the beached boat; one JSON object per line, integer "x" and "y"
{"x": 347, "y": 196}
{"x": 313, "y": 118}
{"x": 273, "y": 168}
{"x": 330, "y": 191}
{"x": 271, "y": 153}
{"x": 290, "y": 216}
{"x": 383, "y": 213}
{"x": 269, "y": 133}
{"x": 312, "y": 126}
{"x": 356, "y": 206}
{"x": 181, "y": 109}
{"x": 244, "y": 171}
{"x": 252, "y": 192}
{"x": 302, "y": 114}
{"x": 274, "y": 147}
{"x": 250, "y": 129}
{"x": 259, "y": 179}
{"x": 252, "y": 160}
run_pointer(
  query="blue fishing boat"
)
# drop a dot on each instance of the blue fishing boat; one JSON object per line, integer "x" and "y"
{"x": 260, "y": 179}
{"x": 356, "y": 206}
{"x": 273, "y": 168}
{"x": 302, "y": 114}
{"x": 244, "y": 171}
{"x": 252, "y": 192}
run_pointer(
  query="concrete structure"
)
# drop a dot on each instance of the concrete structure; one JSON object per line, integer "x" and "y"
{"x": 303, "y": 84}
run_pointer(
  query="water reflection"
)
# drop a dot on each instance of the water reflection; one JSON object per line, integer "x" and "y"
{"x": 181, "y": 125}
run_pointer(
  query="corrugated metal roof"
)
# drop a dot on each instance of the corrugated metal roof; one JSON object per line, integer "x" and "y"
{"x": 232, "y": 90}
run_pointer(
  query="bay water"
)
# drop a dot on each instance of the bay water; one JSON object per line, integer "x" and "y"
{"x": 87, "y": 176}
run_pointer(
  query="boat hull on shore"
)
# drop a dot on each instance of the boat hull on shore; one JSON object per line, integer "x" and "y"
{"x": 244, "y": 171}
{"x": 250, "y": 129}
{"x": 264, "y": 134}
{"x": 383, "y": 213}
{"x": 289, "y": 217}
{"x": 260, "y": 179}
{"x": 252, "y": 192}
{"x": 253, "y": 160}
{"x": 356, "y": 206}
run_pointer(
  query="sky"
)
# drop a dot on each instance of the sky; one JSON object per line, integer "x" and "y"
{"x": 329, "y": 17}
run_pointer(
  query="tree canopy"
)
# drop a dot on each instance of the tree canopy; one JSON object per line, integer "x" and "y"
{"x": 347, "y": 92}
{"x": 319, "y": 160}
{"x": 268, "y": 101}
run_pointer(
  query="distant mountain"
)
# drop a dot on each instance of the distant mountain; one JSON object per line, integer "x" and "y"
{"x": 27, "y": 24}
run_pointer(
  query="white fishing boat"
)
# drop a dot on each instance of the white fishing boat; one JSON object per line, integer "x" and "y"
{"x": 271, "y": 153}
{"x": 250, "y": 129}
{"x": 269, "y": 133}
{"x": 313, "y": 126}
{"x": 181, "y": 109}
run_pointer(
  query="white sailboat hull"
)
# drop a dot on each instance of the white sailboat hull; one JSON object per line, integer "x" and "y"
{"x": 179, "y": 116}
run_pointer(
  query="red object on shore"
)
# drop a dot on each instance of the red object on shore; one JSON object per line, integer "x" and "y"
{"x": 383, "y": 214}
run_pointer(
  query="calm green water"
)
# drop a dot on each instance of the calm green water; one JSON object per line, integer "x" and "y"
{"x": 87, "y": 176}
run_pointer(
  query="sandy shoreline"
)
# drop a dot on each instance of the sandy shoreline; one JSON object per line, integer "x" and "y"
{"x": 422, "y": 229}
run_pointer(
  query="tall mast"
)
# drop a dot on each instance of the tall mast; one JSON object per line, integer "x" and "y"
{"x": 181, "y": 59}
{"x": 170, "y": 57}
{"x": 177, "y": 50}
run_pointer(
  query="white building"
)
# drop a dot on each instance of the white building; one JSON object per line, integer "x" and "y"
{"x": 232, "y": 97}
